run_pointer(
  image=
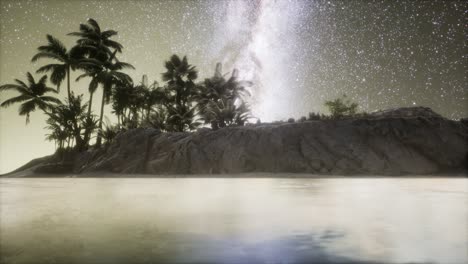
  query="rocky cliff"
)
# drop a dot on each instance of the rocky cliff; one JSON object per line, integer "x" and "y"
{"x": 393, "y": 142}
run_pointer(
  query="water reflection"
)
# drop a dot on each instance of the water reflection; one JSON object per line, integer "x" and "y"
{"x": 177, "y": 220}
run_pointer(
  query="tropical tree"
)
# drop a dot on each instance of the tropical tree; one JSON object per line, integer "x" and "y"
{"x": 221, "y": 102}
{"x": 151, "y": 96}
{"x": 181, "y": 118}
{"x": 159, "y": 118}
{"x": 67, "y": 60}
{"x": 32, "y": 95}
{"x": 58, "y": 133}
{"x": 90, "y": 34}
{"x": 108, "y": 77}
{"x": 70, "y": 120}
{"x": 108, "y": 133}
{"x": 180, "y": 91}
{"x": 98, "y": 47}
{"x": 121, "y": 100}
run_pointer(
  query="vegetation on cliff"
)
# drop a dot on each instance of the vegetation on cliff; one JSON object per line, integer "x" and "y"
{"x": 180, "y": 103}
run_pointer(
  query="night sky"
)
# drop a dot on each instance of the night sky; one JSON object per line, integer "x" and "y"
{"x": 382, "y": 54}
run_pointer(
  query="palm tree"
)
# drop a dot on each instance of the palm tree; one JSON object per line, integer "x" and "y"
{"x": 180, "y": 91}
{"x": 159, "y": 119}
{"x": 58, "y": 134}
{"x": 221, "y": 102}
{"x": 121, "y": 97}
{"x": 71, "y": 119}
{"x": 90, "y": 34}
{"x": 225, "y": 113}
{"x": 32, "y": 95}
{"x": 181, "y": 118}
{"x": 180, "y": 77}
{"x": 109, "y": 133}
{"x": 150, "y": 96}
{"x": 109, "y": 77}
{"x": 97, "y": 44}
{"x": 68, "y": 60}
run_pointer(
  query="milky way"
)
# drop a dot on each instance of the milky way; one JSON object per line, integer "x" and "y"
{"x": 382, "y": 54}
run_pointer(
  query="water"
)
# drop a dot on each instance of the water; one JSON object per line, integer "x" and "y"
{"x": 234, "y": 220}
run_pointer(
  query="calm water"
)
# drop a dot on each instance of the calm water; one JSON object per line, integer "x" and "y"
{"x": 236, "y": 220}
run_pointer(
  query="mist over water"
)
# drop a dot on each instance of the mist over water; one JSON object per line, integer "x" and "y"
{"x": 233, "y": 220}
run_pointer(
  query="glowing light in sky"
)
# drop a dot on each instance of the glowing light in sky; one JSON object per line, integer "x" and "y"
{"x": 266, "y": 52}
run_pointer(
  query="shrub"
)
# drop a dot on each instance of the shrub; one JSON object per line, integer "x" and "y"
{"x": 341, "y": 107}
{"x": 314, "y": 116}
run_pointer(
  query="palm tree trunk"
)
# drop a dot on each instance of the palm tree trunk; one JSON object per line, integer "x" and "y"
{"x": 90, "y": 103}
{"x": 98, "y": 140}
{"x": 87, "y": 135}
{"x": 68, "y": 83}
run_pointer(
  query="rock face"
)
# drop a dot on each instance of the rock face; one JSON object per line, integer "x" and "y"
{"x": 397, "y": 142}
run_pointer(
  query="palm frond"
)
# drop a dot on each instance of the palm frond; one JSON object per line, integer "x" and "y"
{"x": 30, "y": 78}
{"x": 21, "y": 83}
{"x": 42, "y": 81}
{"x": 51, "y": 99}
{"x": 113, "y": 44}
{"x": 93, "y": 85}
{"x": 84, "y": 75}
{"x": 26, "y": 108}
{"x": 58, "y": 75}
{"x": 17, "y": 99}
{"x": 47, "y": 55}
{"x": 49, "y": 67}
{"x": 50, "y": 90}
{"x": 123, "y": 65}
{"x": 94, "y": 24}
{"x": 108, "y": 33}
{"x": 16, "y": 87}
{"x": 54, "y": 46}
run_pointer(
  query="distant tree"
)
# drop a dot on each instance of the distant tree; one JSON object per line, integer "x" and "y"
{"x": 315, "y": 116}
{"x": 158, "y": 118}
{"x": 152, "y": 96}
{"x": 179, "y": 93}
{"x": 181, "y": 118}
{"x": 108, "y": 133}
{"x": 121, "y": 101}
{"x": 32, "y": 95}
{"x": 341, "y": 107}
{"x": 221, "y": 102}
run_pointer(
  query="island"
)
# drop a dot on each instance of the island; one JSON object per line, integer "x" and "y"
{"x": 395, "y": 142}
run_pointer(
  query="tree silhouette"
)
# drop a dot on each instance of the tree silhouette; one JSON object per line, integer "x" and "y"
{"x": 180, "y": 90}
{"x": 108, "y": 77}
{"x": 341, "y": 107}
{"x": 68, "y": 60}
{"x": 32, "y": 95}
{"x": 70, "y": 119}
{"x": 98, "y": 48}
{"x": 221, "y": 102}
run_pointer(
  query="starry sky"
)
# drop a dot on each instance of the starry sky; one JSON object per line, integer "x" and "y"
{"x": 382, "y": 53}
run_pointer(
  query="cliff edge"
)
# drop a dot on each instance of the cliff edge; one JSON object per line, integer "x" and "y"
{"x": 403, "y": 141}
